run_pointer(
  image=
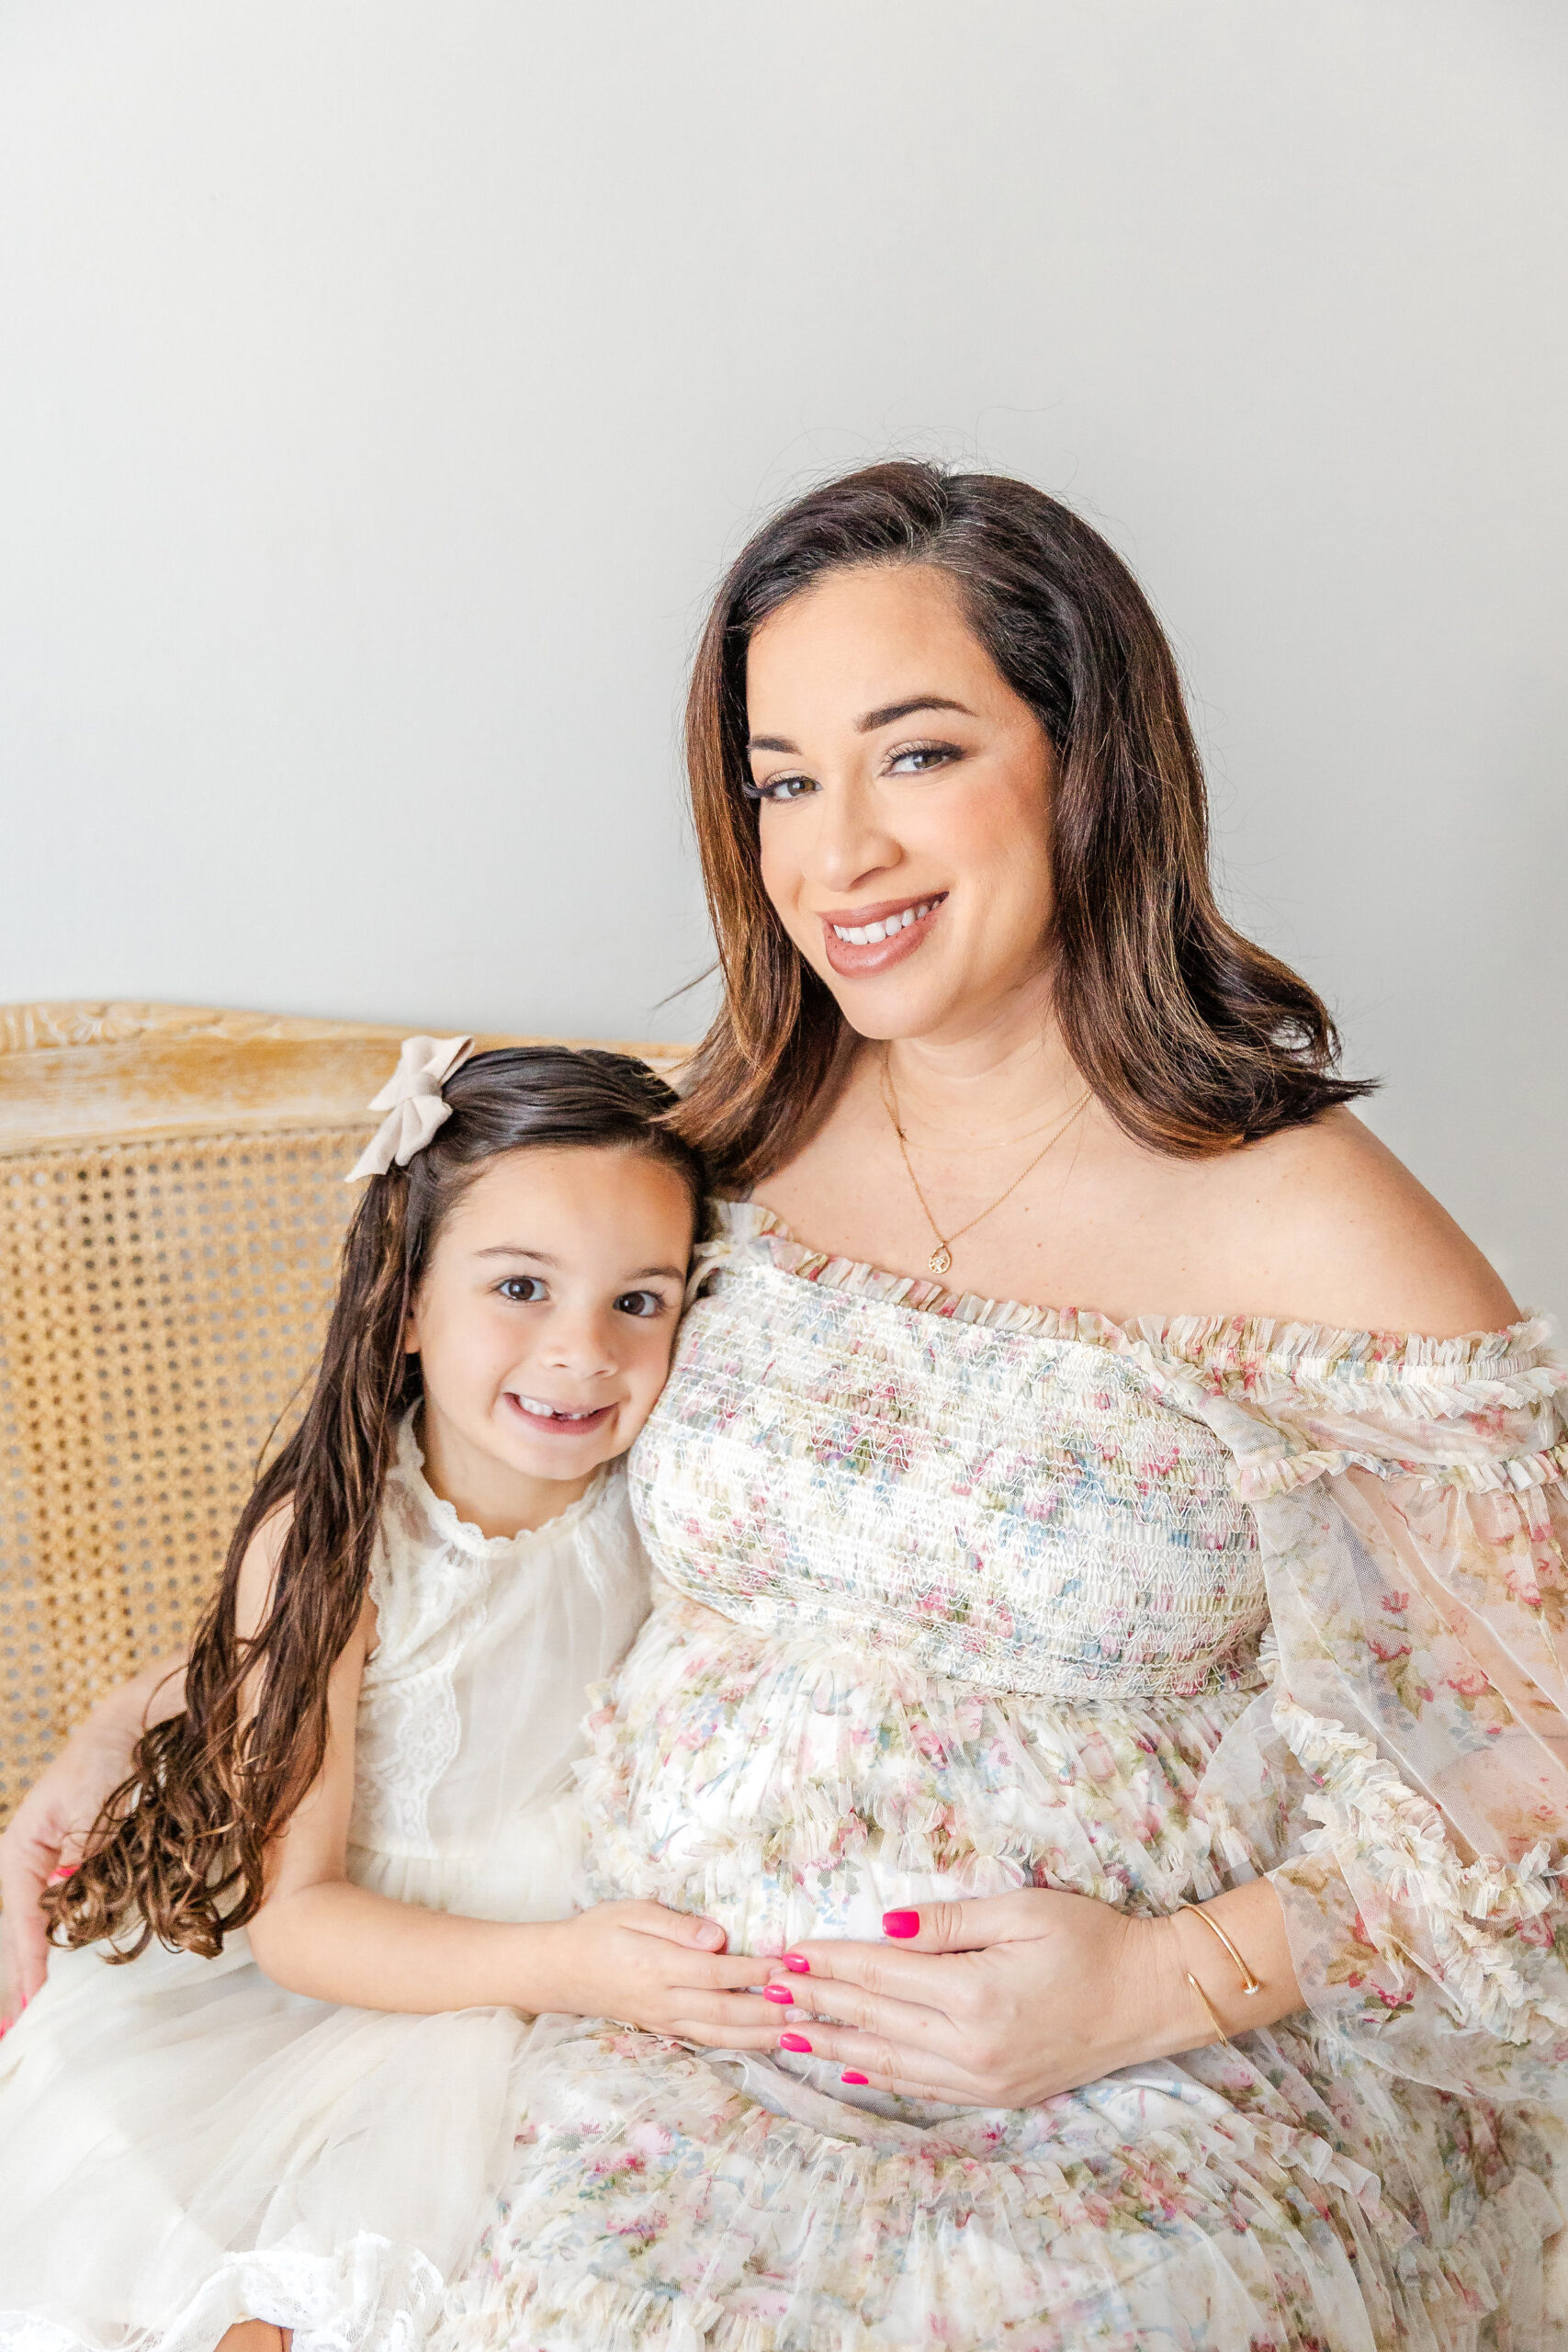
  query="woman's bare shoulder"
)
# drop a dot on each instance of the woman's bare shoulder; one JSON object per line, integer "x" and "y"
{"x": 1324, "y": 1225}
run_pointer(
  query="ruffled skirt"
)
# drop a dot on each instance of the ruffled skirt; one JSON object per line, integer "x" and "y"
{"x": 184, "y": 2144}
{"x": 1239, "y": 2200}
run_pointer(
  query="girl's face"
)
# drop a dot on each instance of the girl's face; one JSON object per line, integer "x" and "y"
{"x": 906, "y": 793}
{"x": 544, "y": 1325}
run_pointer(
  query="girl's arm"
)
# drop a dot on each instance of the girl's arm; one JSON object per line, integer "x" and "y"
{"x": 317, "y": 1933}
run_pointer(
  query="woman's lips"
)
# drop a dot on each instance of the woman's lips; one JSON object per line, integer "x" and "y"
{"x": 853, "y": 960}
{"x": 561, "y": 1422}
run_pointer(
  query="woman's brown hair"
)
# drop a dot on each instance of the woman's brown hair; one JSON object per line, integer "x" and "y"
{"x": 179, "y": 1849}
{"x": 1191, "y": 1036}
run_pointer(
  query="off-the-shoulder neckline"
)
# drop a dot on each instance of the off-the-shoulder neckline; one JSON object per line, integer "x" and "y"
{"x": 1213, "y": 1346}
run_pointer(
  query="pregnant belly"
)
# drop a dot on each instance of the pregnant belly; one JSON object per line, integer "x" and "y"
{"x": 796, "y": 1787}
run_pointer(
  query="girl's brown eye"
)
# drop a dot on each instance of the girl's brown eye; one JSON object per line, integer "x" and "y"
{"x": 641, "y": 1303}
{"x": 522, "y": 1290}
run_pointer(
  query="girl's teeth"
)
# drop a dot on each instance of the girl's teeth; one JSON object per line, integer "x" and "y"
{"x": 868, "y": 934}
{"x": 553, "y": 1412}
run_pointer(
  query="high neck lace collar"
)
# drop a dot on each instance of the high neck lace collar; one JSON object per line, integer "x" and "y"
{"x": 461, "y": 1535}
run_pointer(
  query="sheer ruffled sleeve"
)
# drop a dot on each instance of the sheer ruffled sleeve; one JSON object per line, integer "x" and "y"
{"x": 1413, "y": 1750}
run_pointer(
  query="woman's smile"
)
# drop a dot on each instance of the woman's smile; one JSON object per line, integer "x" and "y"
{"x": 862, "y": 940}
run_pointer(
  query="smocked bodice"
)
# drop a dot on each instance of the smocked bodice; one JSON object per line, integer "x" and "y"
{"x": 986, "y": 1489}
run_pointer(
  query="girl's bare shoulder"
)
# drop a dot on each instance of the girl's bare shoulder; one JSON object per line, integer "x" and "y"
{"x": 258, "y": 1569}
{"x": 1321, "y": 1224}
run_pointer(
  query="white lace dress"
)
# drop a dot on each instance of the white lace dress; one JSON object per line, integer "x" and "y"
{"x": 181, "y": 2143}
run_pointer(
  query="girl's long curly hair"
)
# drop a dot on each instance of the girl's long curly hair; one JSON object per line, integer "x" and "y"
{"x": 178, "y": 1851}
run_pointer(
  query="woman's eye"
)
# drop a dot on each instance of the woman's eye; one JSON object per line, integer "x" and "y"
{"x": 781, "y": 787}
{"x": 919, "y": 759}
{"x": 522, "y": 1289}
{"x": 639, "y": 1302}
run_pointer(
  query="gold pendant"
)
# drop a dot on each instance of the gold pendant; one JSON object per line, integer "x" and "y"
{"x": 941, "y": 1259}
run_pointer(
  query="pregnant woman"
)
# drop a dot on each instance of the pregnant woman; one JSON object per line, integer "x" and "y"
{"x": 1108, "y": 1650}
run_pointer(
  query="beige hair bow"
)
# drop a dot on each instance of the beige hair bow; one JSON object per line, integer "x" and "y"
{"x": 413, "y": 1102}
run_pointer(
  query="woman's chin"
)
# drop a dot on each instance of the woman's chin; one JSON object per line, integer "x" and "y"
{"x": 924, "y": 996}
{"x": 940, "y": 1010}
{"x": 886, "y": 1014}
{"x": 903, "y": 1001}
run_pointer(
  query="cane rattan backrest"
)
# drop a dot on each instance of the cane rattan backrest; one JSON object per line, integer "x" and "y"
{"x": 171, "y": 1207}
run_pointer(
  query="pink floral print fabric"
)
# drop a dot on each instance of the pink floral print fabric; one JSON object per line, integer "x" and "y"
{"x": 963, "y": 1596}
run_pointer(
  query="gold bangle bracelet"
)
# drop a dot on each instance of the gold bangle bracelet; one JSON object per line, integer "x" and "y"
{"x": 1249, "y": 1983}
{"x": 1213, "y": 2013}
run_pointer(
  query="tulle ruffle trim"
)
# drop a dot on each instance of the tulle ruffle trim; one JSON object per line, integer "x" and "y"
{"x": 1390, "y": 1834}
{"x": 1443, "y": 2297}
{"x": 1296, "y": 1363}
{"x": 658, "y": 2210}
{"x": 1270, "y": 1477}
{"x": 364, "y": 2296}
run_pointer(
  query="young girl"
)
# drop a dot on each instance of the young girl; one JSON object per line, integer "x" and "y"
{"x": 340, "y": 1875}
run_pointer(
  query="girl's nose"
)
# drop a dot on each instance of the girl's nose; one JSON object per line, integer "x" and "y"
{"x": 580, "y": 1345}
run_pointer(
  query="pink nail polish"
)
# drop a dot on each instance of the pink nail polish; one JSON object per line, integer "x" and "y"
{"x": 779, "y": 1993}
{"x": 797, "y": 1962}
{"x": 850, "y": 2075}
{"x": 900, "y": 1923}
{"x": 794, "y": 2042}
{"x": 66, "y": 1870}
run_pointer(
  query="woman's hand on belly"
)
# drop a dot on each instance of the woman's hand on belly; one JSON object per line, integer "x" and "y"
{"x": 1013, "y": 1999}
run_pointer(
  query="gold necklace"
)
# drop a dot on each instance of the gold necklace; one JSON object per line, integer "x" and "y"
{"x": 941, "y": 1259}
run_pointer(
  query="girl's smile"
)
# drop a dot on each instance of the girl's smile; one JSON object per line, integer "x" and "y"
{"x": 558, "y": 1420}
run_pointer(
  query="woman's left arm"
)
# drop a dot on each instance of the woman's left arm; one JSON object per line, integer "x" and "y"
{"x": 1009, "y": 1999}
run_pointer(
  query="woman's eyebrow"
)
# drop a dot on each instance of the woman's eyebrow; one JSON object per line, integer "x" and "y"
{"x": 895, "y": 710}
{"x": 869, "y": 724}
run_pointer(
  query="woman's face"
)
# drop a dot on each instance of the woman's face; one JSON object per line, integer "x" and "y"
{"x": 904, "y": 790}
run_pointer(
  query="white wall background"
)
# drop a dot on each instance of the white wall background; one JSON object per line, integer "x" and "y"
{"x": 383, "y": 383}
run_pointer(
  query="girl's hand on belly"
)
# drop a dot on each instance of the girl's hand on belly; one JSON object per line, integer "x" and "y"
{"x": 643, "y": 1965}
{"x": 1013, "y": 1999}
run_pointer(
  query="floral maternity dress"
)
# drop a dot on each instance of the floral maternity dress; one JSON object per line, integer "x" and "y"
{"x": 961, "y": 1597}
